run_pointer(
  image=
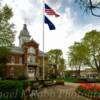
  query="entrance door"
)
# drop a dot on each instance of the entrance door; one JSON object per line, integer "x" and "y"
{"x": 31, "y": 71}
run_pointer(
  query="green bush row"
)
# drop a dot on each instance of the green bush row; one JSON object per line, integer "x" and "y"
{"x": 59, "y": 82}
{"x": 15, "y": 89}
{"x": 81, "y": 80}
{"x": 11, "y": 90}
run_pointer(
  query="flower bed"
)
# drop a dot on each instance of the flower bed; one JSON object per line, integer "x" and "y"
{"x": 89, "y": 90}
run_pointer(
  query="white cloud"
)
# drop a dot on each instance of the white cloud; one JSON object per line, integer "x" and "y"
{"x": 30, "y": 12}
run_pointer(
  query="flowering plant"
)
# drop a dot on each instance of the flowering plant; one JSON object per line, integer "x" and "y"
{"x": 89, "y": 89}
{"x": 90, "y": 86}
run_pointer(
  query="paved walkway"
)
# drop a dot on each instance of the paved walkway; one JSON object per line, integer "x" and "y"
{"x": 72, "y": 84}
{"x": 66, "y": 92}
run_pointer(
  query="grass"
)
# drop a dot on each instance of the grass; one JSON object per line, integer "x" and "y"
{"x": 72, "y": 80}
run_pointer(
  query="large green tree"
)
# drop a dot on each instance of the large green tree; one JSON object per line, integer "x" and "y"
{"x": 92, "y": 41}
{"x": 92, "y": 6}
{"x": 54, "y": 55}
{"x": 6, "y": 28}
{"x": 77, "y": 55}
{"x": 6, "y": 36}
{"x": 86, "y": 52}
{"x": 56, "y": 59}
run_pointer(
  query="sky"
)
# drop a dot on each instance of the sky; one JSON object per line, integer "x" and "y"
{"x": 71, "y": 26}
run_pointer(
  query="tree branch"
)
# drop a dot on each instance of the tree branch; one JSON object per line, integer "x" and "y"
{"x": 91, "y": 9}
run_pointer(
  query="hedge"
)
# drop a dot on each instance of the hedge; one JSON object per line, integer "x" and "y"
{"x": 11, "y": 90}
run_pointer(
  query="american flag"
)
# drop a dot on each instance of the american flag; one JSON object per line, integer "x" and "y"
{"x": 50, "y": 11}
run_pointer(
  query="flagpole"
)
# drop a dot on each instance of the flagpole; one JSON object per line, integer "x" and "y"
{"x": 43, "y": 39}
{"x": 51, "y": 27}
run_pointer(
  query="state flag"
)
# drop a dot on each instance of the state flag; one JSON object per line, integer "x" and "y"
{"x": 49, "y": 23}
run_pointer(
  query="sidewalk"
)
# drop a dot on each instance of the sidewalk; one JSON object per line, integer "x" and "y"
{"x": 72, "y": 84}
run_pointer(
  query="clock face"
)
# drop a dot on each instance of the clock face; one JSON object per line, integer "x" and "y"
{"x": 31, "y": 50}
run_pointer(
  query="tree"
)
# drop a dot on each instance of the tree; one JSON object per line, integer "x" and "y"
{"x": 54, "y": 55}
{"x": 92, "y": 6}
{"x": 6, "y": 29}
{"x": 92, "y": 41}
{"x": 6, "y": 35}
{"x": 56, "y": 59}
{"x": 4, "y": 53}
{"x": 77, "y": 57}
{"x": 86, "y": 52}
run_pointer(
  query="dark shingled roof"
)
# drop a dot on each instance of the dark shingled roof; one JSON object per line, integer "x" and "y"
{"x": 17, "y": 50}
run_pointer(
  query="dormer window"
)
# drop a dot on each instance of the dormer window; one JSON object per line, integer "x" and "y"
{"x": 31, "y": 50}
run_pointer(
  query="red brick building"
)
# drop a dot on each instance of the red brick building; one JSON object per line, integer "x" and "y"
{"x": 26, "y": 59}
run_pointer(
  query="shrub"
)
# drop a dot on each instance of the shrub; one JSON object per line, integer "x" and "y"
{"x": 11, "y": 78}
{"x": 59, "y": 82}
{"x": 87, "y": 80}
{"x": 11, "y": 90}
{"x": 22, "y": 77}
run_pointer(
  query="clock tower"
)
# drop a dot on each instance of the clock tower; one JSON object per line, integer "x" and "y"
{"x": 24, "y": 36}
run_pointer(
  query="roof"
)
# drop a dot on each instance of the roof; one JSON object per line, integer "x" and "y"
{"x": 17, "y": 50}
{"x": 31, "y": 41}
{"x": 41, "y": 53}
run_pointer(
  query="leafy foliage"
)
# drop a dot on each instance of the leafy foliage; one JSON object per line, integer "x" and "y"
{"x": 6, "y": 29}
{"x": 92, "y": 41}
{"x": 77, "y": 57}
{"x": 56, "y": 59}
{"x": 86, "y": 52}
{"x": 11, "y": 90}
{"x": 4, "y": 53}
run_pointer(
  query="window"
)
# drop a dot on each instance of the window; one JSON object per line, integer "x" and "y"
{"x": 12, "y": 59}
{"x": 11, "y": 71}
{"x": 31, "y": 59}
{"x": 20, "y": 60}
{"x": 31, "y": 50}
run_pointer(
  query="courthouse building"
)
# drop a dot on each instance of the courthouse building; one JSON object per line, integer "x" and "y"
{"x": 26, "y": 59}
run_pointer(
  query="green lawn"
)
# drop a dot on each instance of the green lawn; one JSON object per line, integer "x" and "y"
{"x": 72, "y": 80}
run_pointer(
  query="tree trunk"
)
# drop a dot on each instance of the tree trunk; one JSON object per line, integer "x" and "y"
{"x": 98, "y": 71}
{"x": 79, "y": 70}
